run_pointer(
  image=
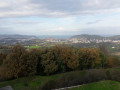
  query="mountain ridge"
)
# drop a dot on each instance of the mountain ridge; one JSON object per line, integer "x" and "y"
{"x": 89, "y": 37}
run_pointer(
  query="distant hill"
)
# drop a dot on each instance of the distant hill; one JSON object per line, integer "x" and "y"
{"x": 91, "y": 37}
{"x": 88, "y": 37}
{"x": 17, "y": 37}
{"x": 12, "y": 39}
{"x": 117, "y": 37}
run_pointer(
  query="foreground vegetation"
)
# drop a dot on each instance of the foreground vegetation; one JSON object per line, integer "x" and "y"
{"x": 42, "y": 68}
{"x": 47, "y": 61}
{"x": 83, "y": 77}
{"x": 28, "y": 83}
{"x": 102, "y": 85}
{"x": 68, "y": 79}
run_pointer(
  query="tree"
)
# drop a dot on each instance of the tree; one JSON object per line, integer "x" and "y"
{"x": 69, "y": 58}
{"x": 38, "y": 53}
{"x": 102, "y": 59}
{"x": 73, "y": 62}
{"x": 12, "y": 65}
{"x": 20, "y": 63}
{"x": 18, "y": 49}
{"x": 28, "y": 64}
{"x": 49, "y": 63}
{"x": 13, "y": 60}
{"x": 109, "y": 62}
{"x": 2, "y": 58}
{"x": 89, "y": 58}
{"x": 103, "y": 48}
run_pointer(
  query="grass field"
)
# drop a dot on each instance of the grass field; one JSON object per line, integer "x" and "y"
{"x": 36, "y": 47}
{"x": 28, "y": 83}
{"x": 32, "y": 47}
{"x": 103, "y": 85}
{"x": 33, "y": 82}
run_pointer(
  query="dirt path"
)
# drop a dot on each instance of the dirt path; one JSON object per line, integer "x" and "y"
{"x": 68, "y": 87}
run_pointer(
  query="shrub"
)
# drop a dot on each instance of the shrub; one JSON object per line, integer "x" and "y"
{"x": 94, "y": 75}
{"x": 115, "y": 75}
{"x": 49, "y": 85}
{"x": 3, "y": 74}
{"x": 76, "y": 78}
{"x": 109, "y": 77}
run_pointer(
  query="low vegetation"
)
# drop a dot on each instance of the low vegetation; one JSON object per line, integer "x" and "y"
{"x": 28, "y": 83}
{"x": 65, "y": 79}
{"x": 83, "y": 77}
{"x": 103, "y": 85}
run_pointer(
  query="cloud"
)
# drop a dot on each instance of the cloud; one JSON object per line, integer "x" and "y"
{"x": 59, "y": 16}
{"x": 56, "y": 8}
{"x": 27, "y": 22}
{"x": 6, "y": 30}
{"x": 101, "y": 31}
{"x": 97, "y": 21}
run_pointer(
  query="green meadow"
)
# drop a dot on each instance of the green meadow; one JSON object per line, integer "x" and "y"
{"x": 103, "y": 85}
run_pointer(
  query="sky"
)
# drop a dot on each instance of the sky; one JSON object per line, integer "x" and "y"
{"x": 60, "y": 17}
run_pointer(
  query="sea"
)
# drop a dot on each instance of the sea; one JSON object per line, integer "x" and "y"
{"x": 55, "y": 36}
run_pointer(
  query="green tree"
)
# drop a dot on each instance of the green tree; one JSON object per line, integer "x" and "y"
{"x": 38, "y": 53}
{"x": 28, "y": 64}
{"x": 102, "y": 59}
{"x": 49, "y": 63}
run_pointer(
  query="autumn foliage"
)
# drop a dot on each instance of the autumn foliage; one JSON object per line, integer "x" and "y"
{"x": 20, "y": 62}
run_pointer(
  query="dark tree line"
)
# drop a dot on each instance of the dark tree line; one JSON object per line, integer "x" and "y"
{"x": 20, "y": 62}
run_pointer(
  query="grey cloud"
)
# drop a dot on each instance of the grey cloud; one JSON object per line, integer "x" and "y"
{"x": 6, "y": 30}
{"x": 75, "y": 6}
{"x": 97, "y": 21}
{"x": 101, "y": 31}
{"x": 27, "y": 22}
{"x": 56, "y": 8}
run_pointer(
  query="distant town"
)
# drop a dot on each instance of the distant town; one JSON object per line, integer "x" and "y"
{"x": 34, "y": 40}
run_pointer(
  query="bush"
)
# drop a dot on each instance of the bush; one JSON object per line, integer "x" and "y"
{"x": 49, "y": 85}
{"x": 3, "y": 74}
{"x": 76, "y": 78}
{"x": 94, "y": 75}
{"x": 109, "y": 77}
{"x": 115, "y": 75}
